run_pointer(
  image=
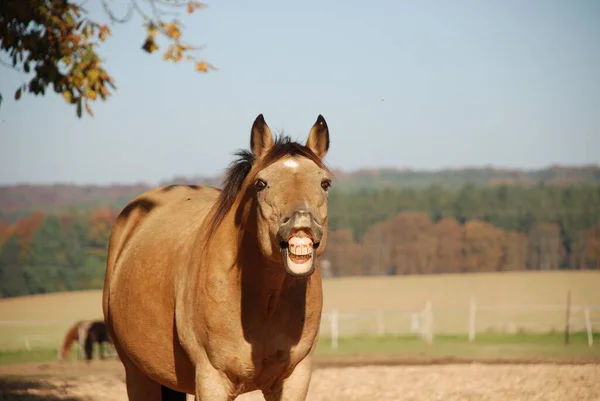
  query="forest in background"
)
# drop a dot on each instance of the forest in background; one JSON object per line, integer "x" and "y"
{"x": 382, "y": 222}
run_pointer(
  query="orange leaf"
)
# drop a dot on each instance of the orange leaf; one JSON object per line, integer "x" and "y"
{"x": 172, "y": 30}
{"x": 202, "y": 66}
{"x": 149, "y": 45}
{"x": 194, "y": 5}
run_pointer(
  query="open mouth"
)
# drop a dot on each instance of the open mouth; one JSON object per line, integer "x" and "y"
{"x": 299, "y": 253}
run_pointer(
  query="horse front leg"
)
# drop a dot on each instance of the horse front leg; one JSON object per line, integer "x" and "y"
{"x": 295, "y": 387}
{"x": 212, "y": 385}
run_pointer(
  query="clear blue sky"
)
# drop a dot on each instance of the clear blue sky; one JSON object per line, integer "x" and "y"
{"x": 418, "y": 84}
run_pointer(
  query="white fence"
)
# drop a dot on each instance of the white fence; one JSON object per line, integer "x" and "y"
{"x": 425, "y": 322}
{"x": 576, "y": 317}
{"x": 472, "y": 319}
{"x": 41, "y": 334}
{"x": 383, "y": 322}
{"x": 29, "y": 334}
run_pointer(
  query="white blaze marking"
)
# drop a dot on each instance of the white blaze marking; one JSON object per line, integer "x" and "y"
{"x": 291, "y": 163}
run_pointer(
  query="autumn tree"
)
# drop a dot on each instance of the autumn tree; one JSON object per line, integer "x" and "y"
{"x": 377, "y": 245}
{"x": 99, "y": 226}
{"x": 25, "y": 230}
{"x": 515, "y": 251}
{"x": 448, "y": 235}
{"x": 414, "y": 246}
{"x": 345, "y": 254}
{"x": 55, "y": 43}
{"x": 546, "y": 250}
{"x": 371, "y": 232}
{"x": 483, "y": 246}
{"x": 593, "y": 246}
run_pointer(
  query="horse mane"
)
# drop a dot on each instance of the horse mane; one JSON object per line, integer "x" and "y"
{"x": 239, "y": 169}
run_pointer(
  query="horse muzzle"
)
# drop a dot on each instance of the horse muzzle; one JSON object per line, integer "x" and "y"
{"x": 300, "y": 236}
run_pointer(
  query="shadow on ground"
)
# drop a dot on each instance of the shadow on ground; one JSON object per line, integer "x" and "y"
{"x": 22, "y": 389}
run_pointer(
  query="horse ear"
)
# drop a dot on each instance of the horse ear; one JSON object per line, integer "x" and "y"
{"x": 318, "y": 138}
{"x": 261, "y": 138}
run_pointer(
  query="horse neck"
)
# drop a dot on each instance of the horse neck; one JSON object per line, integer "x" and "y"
{"x": 260, "y": 278}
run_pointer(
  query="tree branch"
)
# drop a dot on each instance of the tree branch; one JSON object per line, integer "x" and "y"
{"x": 8, "y": 65}
{"x": 112, "y": 15}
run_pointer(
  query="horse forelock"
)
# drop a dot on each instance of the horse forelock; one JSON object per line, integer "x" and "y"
{"x": 246, "y": 166}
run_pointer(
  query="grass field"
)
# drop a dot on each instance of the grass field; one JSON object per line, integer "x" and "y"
{"x": 488, "y": 347}
{"x": 39, "y": 322}
{"x": 412, "y": 349}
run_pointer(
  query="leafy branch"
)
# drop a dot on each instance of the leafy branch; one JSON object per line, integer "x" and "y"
{"x": 56, "y": 40}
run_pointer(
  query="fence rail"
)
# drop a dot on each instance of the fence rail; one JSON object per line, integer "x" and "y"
{"x": 522, "y": 318}
{"x": 426, "y": 321}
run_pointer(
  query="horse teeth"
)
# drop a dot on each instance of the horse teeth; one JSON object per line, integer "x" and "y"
{"x": 299, "y": 250}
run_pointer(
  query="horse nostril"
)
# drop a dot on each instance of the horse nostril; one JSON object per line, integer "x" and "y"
{"x": 284, "y": 219}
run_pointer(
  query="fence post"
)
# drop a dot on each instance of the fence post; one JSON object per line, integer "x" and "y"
{"x": 380, "y": 323}
{"x": 334, "y": 328}
{"x": 588, "y": 325}
{"x": 568, "y": 318}
{"x": 428, "y": 326}
{"x": 472, "y": 310}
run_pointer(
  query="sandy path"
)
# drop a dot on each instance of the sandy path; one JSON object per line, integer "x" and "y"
{"x": 464, "y": 382}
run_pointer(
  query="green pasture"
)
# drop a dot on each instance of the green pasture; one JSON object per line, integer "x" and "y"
{"x": 518, "y": 316}
{"x": 487, "y": 347}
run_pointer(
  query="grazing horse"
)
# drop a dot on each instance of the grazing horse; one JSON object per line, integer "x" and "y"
{"x": 75, "y": 334}
{"x": 96, "y": 333}
{"x": 218, "y": 292}
{"x": 85, "y": 333}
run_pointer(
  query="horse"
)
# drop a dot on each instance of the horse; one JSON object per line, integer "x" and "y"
{"x": 75, "y": 334}
{"x": 218, "y": 292}
{"x": 85, "y": 333}
{"x": 96, "y": 334}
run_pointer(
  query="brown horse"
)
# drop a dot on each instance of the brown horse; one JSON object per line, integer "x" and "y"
{"x": 218, "y": 293}
{"x": 96, "y": 334}
{"x": 75, "y": 334}
{"x": 85, "y": 333}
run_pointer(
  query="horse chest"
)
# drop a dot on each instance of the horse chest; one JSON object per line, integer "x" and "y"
{"x": 268, "y": 352}
{"x": 274, "y": 333}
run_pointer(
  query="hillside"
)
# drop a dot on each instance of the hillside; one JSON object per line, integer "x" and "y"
{"x": 456, "y": 178}
{"x": 17, "y": 201}
{"x": 395, "y": 231}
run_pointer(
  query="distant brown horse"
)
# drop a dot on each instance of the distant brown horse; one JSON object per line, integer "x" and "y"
{"x": 76, "y": 334}
{"x": 218, "y": 293}
{"x": 96, "y": 334}
{"x": 85, "y": 334}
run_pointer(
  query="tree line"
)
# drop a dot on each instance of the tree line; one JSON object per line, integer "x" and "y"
{"x": 372, "y": 232}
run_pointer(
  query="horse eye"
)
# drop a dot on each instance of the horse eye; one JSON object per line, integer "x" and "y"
{"x": 260, "y": 184}
{"x": 325, "y": 184}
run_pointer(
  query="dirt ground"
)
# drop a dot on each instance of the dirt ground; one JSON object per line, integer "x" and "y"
{"x": 104, "y": 381}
